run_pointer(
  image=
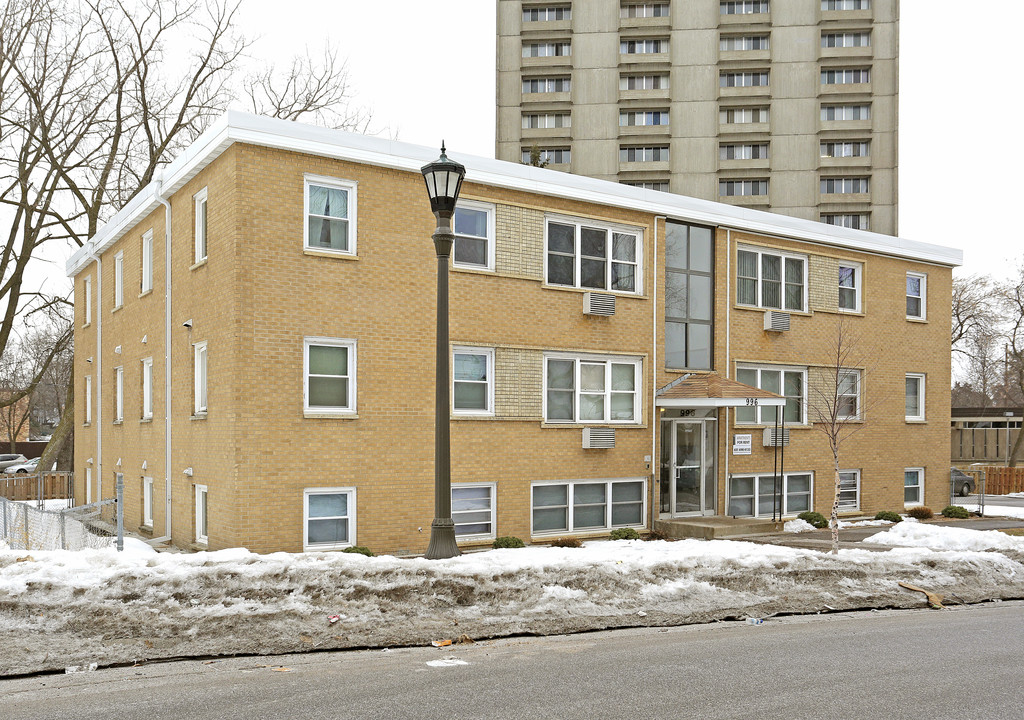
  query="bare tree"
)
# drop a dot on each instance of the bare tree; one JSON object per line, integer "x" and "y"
{"x": 1011, "y": 300}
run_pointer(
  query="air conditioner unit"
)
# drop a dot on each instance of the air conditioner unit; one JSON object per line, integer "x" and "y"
{"x": 598, "y": 303}
{"x": 775, "y": 321}
{"x": 598, "y": 438}
{"x": 776, "y": 437}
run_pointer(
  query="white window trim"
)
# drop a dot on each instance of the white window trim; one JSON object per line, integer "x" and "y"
{"x": 782, "y": 379}
{"x": 611, "y": 228}
{"x": 920, "y": 487}
{"x": 147, "y": 388}
{"x": 856, "y": 373}
{"x": 200, "y": 378}
{"x": 758, "y": 476}
{"x": 924, "y": 296}
{"x": 469, "y": 350}
{"x": 306, "y": 492}
{"x": 494, "y": 512}
{"x": 760, "y": 277}
{"x": 147, "y": 502}
{"x": 118, "y": 280}
{"x": 920, "y": 377}
{"x": 87, "y": 290}
{"x": 638, "y": 376}
{"x": 88, "y": 399}
{"x": 570, "y": 518}
{"x": 857, "y": 274}
{"x": 322, "y": 411}
{"x": 350, "y": 187}
{"x": 487, "y": 208}
{"x": 118, "y": 394}
{"x": 200, "y": 238}
{"x": 856, "y": 505}
{"x": 202, "y": 514}
{"x": 146, "y": 285}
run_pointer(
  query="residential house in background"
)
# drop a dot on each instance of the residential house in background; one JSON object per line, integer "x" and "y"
{"x": 255, "y": 338}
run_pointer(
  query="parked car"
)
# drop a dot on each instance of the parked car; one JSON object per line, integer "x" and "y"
{"x": 22, "y": 468}
{"x": 11, "y": 459}
{"x": 961, "y": 482}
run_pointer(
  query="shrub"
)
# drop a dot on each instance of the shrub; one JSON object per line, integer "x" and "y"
{"x": 655, "y": 535}
{"x": 625, "y": 534}
{"x": 955, "y": 511}
{"x": 921, "y": 512}
{"x": 507, "y": 541}
{"x": 814, "y": 518}
{"x": 359, "y": 549}
{"x": 888, "y": 515}
{"x": 567, "y": 542}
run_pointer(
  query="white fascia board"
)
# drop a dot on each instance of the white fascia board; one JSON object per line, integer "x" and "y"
{"x": 243, "y": 127}
{"x": 715, "y": 402}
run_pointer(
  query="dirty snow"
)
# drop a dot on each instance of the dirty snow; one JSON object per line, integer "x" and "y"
{"x": 60, "y": 609}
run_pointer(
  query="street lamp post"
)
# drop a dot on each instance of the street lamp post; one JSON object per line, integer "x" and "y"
{"x": 444, "y": 180}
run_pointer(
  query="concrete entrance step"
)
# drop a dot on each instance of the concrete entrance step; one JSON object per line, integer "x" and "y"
{"x": 709, "y": 528}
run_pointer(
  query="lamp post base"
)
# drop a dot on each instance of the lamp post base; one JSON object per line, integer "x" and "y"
{"x": 442, "y": 540}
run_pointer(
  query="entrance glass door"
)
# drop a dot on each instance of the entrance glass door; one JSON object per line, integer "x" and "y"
{"x": 688, "y": 469}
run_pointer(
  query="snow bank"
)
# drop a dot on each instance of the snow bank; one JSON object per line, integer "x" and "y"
{"x": 946, "y": 538}
{"x": 797, "y": 526}
{"x": 994, "y": 510}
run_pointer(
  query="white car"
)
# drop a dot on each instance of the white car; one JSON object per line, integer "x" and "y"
{"x": 22, "y": 468}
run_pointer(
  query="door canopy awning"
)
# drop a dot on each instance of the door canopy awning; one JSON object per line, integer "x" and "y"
{"x": 711, "y": 390}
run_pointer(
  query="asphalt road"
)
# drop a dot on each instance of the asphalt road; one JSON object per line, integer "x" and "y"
{"x": 935, "y": 664}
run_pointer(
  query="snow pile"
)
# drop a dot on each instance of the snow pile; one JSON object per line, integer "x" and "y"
{"x": 59, "y": 609}
{"x": 798, "y": 526}
{"x": 994, "y": 510}
{"x": 946, "y": 538}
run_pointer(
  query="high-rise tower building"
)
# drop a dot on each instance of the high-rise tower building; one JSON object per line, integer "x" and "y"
{"x": 781, "y": 105}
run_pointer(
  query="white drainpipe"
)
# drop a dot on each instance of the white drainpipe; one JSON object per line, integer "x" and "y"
{"x": 99, "y": 374}
{"x": 655, "y": 465}
{"x": 167, "y": 363}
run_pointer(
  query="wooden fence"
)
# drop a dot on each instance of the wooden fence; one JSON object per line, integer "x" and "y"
{"x": 1003, "y": 480}
{"x": 51, "y": 485}
{"x": 980, "y": 444}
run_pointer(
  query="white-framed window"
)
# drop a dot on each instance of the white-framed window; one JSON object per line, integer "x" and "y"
{"x": 844, "y": 186}
{"x": 859, "y": 148}
{"x": 656, "y": 153}
{"x": 757, "y": 78}
{"x": 845, "y": 39}
{"x": 119, "y": 279}
{"x": 147, "y": 502}
{"x": 473, "y": 381}
{"x": 771, "y": 279}
{"x": 743, "y": 115}
{"x": 593, "y": 256}
{"x": 643, "y": 47}
{"x": 833, "y": 113}
{"x": 549, "y": 156}
{"x": 474, "y": 235}
{"x": 330, "y": 207}
{"x": 754, "y": 495}
{"x": 827, "y": 5}
{"x": 643, "y": 118}
{"x": 87, "y": 291}
{"x": 586, "y": 505}
{"x": 474, "y": 511}
{"x": 848, "y": 395}
{"x": 742, "y": 188}
{"x": 849, "y": 286}
{"x": 689, "y": 296}
{"x": 547, "y": 49}
{"x": 118, "y": 394}
{"x": 855, "y": 221}
{"x": 200, "y": 234}
{"x": 846, "y": 76}
{"x": 743, "y": 151}
{"x": 202, "y": 523}
{"x": 591, "y": 389}
{"x": 643, "y": 82}
{"x": 547, "y": 14}
{"x": 913, "y": 486}
{"x": 660, "y": 185}
{"x": 644, "y": 10}
{"x": 329, "y": 371}
{"x": 849, "y": 490}
{"x": 742, "y": 7}
{"x": 917, "y": 287}
{"x": 915, "y": 396}
{"x": 147, "y": 262}
{"x": 328, "y": 518}
{"x": 88, "y": 399}
{"x": 546, "y": 85}
{"x": 546, "y": 121}
{"x": 790, "y": 382}
{"x": 730, "y": 43}
{"x": 147, "y": 388}
{"x": 199, "y": 376}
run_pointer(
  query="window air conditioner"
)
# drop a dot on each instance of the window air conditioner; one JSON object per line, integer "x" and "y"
{"x": 773, "y": 438}
{"x": 598, "y": 303}
{"x": 598, "y": 438}
{"x": 775, "y": 321}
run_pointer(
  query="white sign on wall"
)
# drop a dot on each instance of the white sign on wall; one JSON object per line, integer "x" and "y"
{"x": 741, "y": 444}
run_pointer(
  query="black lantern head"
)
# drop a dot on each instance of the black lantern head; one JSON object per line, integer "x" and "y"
{"x": 444, "y": 180}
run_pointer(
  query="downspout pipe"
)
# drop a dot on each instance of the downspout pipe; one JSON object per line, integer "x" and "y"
{"x": 98, "y": 406}
{"x": 158, "y": 194}
{"x": 655, "y": 464}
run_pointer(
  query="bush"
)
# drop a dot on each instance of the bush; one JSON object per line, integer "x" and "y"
{"x": 507, "y": 541}
{"x": 888, "y": 515}
{"x": 655, "y": 535}
{"x": 625, "y": 534}
{"x": 955, "y": 511}
{"x": 359, "y": 549}
{"x": 567, "y": 542}
{"x": 814, "y": 518}
{"x": 921, "y": 512}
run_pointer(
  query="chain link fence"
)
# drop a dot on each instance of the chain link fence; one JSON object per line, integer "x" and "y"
{"x": 967, "y": 489}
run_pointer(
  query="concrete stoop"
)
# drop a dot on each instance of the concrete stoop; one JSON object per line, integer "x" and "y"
{"x": 709, "y": 528}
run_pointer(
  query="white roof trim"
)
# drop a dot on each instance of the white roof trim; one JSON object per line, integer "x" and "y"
{"x": 715, "y": 402}
{"x": 242, "y": 127}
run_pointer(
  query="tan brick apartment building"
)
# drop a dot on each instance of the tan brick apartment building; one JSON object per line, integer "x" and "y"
{"x": 287, "y": 313}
